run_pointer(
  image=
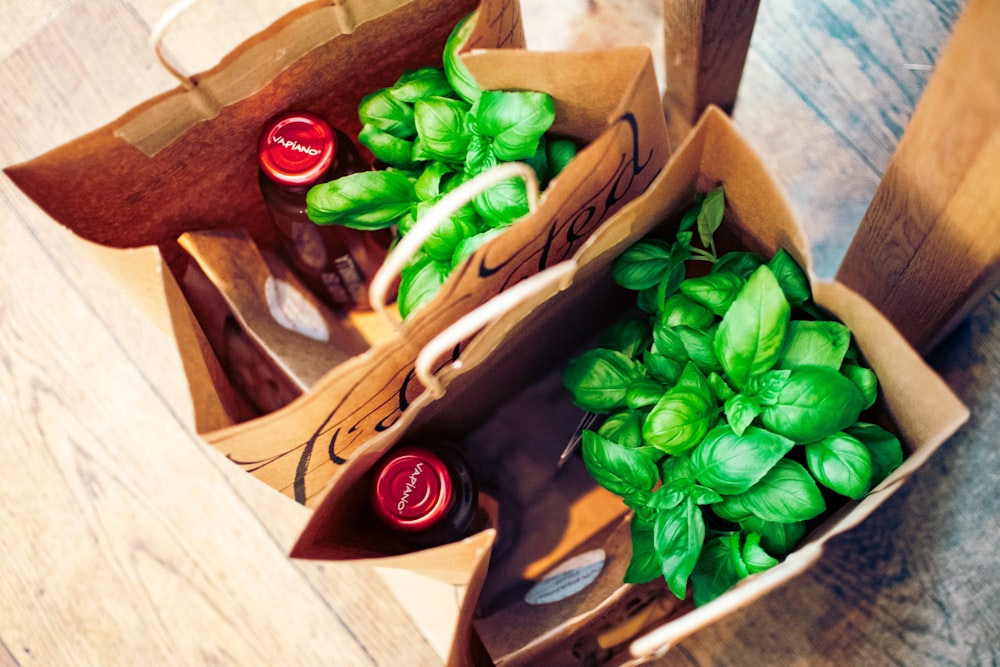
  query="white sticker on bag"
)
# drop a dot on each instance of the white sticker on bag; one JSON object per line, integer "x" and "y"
{"x": 569, "y": 578}
{"x": 290, "y": 309}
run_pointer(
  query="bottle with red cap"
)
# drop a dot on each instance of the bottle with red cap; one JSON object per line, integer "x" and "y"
{"x": 297, "y": 150}
{"x": 426, "y": 493}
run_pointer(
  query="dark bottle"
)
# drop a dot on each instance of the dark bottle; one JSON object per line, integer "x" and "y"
{"x": 297, "y": 150}
{"x": 426, "y": 493}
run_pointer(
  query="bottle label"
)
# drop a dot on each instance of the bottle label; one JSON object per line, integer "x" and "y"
{"x": 569, "y": 578}
{"x": 290, "y": 308}
{"x": 309, "y": 245}
{"x": 351, "y": 278}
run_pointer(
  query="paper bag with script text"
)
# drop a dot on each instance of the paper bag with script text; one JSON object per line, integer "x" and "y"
{"x": 183, "y": 166}
{"x": 505, "y": 405}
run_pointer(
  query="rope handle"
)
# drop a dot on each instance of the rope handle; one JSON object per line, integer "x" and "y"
{"x": 475, "y": 320}
{"x": 437, "y": 215}
{"x": 156, "y": 41}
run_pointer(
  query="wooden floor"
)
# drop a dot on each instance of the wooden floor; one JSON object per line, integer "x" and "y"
{"x": 126, "y": 541}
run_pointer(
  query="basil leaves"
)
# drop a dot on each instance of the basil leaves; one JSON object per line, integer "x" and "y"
{"x": 732, "y": 409}
{"x": 431, "y": 131}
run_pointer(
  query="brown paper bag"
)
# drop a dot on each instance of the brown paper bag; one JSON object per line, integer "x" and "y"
{"x": 504, "y": 402}
{"x": 185, "y": 162}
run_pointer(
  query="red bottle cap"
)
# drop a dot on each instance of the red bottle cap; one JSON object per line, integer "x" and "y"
{"x": 412, "y": 489}
{"x": 296, "y": 148}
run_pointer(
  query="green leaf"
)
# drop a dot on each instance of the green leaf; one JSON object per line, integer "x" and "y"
{"x": 791, "y": 277}
{"x": 677, "y": 470}
{"x": 642, "y": 265}
{"x": 515, "y": 121}
{"x": 672, "y": 280}
{"x": 422, "y": 154}
{"x": 731, "y": 464}
{"x": 885, "y": 449}
{"x": 621, "y": 470}
{"x": 740, "y": 263}
{"x": 503, "y": 203}
{"x": 699, "y": 346}
{"x": 668, "y": 496}
{"x": 420, "y": 83}
{"x": 677, "y": 474}
{"x": 383, "y": 111}
{"x": 732, "y": 508}
{"x": 625, "y": 428}
{"x": 629, "y": 335}
{"x": 690, "y": 217}
{"x": 442, "y": 242}
{"x": 678, "y": 310}
{"x": 366, "y": 200}
{"x": 668, "y": 343}
{"x": 431, "y": 183}
{"x": 766, "y": 388}
{"x": 419, "y": 283}
{"x": 723, "y": 392}
{"x": 811, "y": 343}
{"x": 405, "y": 222}
{"x": 643, "y": 392}
{"x": 479, "y": 156}
{"x": 715, "y": 291}
{"x": 539, "y": 163}
{"x": 710, "y": 216}
{"x": 470, "y": 244}
{"x": 559, "y": 153}
{"x": 645, "y": 564}
{"x": 755, "y": 557}
{"x": 740, "y": 411}
{"x": 662, "y": 368}
{"x": 458, "y": 74}
{"x": 599, "y": 379}
{"x": 702, "y": 495}
{"x": 865, "y": 380}
{"x": 678, "y": 537}
{"x": 752, "y": 333}
{"x": 842, "y": 464}
{"x": 777, "y": 538}
{"x": 647, "y": 302}
{"x": 813, "y": 403}
{"x": 680, "y": 419}
{"x": 440, "y": 123}
{"x": 692, "y": 378}
{"x": 786, "y": 493}
{"x": 720, "y": 567}
{"x": 388, "y": 148}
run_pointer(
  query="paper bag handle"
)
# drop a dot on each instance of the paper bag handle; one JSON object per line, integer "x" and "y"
{"x": 156, "y": 40}
{"x": 177, "y": 8}
{"x": 438, "y": 214}
{"x": 476, "y": 319}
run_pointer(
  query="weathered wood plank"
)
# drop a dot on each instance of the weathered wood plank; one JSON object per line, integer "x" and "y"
{"x": 826, "y": 93}
{"x": 927, "y": 250}
{"x": 706, "y": 46}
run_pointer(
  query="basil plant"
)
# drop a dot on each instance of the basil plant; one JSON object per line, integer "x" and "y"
{"x": 433, "y": 130}
{"x": 732, "y": 409}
